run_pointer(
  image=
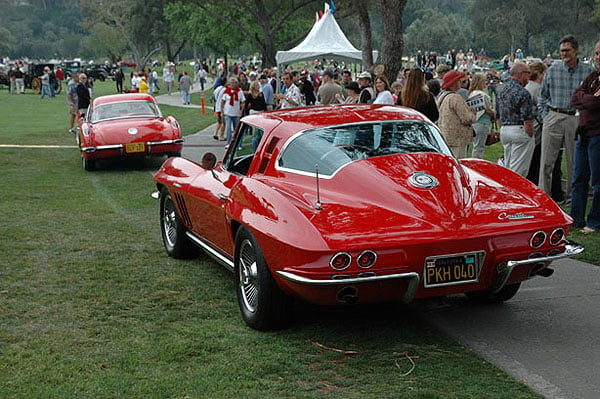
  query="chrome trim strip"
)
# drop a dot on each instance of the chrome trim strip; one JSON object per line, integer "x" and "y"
{"x": 164, "y": 142}
{"x": 571, "y": 249}
{"x": 413, "y": 283}
{"x": 210, "y": 251}
{"x": 102, "y": 147}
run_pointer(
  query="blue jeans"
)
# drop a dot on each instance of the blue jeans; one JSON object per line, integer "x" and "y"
{"x": 230, "y": 123}
{"x": 586, "y": 168}
{"x": 186, "y": 97}
{"x": 45, "y": 91}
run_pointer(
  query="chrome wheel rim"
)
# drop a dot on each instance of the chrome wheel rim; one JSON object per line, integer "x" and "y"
{"x": 248, "y": 276}
{"x": 169, "y": 221}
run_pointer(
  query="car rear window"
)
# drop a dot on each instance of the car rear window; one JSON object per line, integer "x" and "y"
{"x": 332, "y": 147}
{"x": 125, "y": 109}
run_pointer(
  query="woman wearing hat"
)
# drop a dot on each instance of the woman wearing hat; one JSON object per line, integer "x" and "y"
{"x": 353, "y": 91}
{"x": 456, "y": 117}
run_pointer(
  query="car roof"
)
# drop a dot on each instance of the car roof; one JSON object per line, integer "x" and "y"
{"x": 327, "y": 115}
{"x": 123, "y": 97}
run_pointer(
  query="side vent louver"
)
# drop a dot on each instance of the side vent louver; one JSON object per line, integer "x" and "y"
{"x": 183, "y": 212}
{"x": 263, "y": 165}
{"x": 272, "y": 145}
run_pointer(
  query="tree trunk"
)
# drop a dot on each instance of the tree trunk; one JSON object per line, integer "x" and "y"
{"x": 364, "y": 25}
{"x": 392, "y": 45}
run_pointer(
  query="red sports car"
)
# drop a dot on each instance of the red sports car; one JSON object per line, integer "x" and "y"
{"x": 124, "y": 125}
{"x": 354, "y": 204}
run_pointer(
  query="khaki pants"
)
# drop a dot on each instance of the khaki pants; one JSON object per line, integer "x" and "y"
{"x": 518, "y": 148}
{"x": 556, "y": 128}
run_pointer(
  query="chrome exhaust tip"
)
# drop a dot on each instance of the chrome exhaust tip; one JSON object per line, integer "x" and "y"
{"x": 540, "y": 269}
{"x": 348, "y": 295}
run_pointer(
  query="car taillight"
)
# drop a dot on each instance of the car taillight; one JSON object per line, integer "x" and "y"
{"x": 556, "y": 236}
{"x": 538, "y": 239}
{"x": 366, "y": 259}
{"x": 340, "y": 261}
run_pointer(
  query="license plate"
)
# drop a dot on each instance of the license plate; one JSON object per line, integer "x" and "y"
{"x": 452, "y": 269}
{"x": 135, "y": 147}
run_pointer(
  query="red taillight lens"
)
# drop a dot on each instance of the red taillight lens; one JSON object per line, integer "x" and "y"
{"x": 340, "y": 261}
{"x": 366, "y": 259}
{"x": 557, "y": 236}
{"x": 538, "y": 239}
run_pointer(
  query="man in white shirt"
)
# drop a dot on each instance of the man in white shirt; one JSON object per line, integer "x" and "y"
{"x": 168, "y": 77}
{"x": 291, "y": 98}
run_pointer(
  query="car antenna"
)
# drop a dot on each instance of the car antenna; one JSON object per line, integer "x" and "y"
{"x": 318, "y": 204}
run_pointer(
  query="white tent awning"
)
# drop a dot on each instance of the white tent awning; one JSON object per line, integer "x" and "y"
{"x": 325, "y": 40}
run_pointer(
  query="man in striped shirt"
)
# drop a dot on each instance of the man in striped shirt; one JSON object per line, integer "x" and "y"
{"x": 560, "y": 120}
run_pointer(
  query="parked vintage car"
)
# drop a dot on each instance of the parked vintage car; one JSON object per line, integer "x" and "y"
{"x": 354, "y": 204}
{"x": 33, "y": 74}
{"x": 98, "y": 72}
{"x": 125, "y": 125}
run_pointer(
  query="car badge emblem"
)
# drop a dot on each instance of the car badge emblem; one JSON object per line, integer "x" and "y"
{"x": 423, "y": 180}
{"x": 516, "y": 216}
{"x": 132, "y": 131}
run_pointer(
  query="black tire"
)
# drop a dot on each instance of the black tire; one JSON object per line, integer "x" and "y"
{"x": 173, "y": 154}
{"x": 88, "y": 164}
{"x": 177, "y": 243}
{"x": 507, "y": 292}
{"x": 262, "y": 303}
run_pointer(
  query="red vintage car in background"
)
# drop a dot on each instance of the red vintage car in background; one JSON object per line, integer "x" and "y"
{"x": 353, "y": 204}
{"x": 126, "y": 125}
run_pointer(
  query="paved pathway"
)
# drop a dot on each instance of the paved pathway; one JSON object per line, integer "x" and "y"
{"x": 547, "y": 336}
{"x": 201, "y": 142}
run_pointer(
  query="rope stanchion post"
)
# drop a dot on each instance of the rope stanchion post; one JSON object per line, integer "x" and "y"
{"x": 202, "y": 102}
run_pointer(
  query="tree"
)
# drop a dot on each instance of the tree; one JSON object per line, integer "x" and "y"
{"x": 366, "y": 39}
{"x": 106, "y": 41}
{"x": 185, "y": 18}
{"x": 263, "y": 22}
{"x": 393, "y": 40}
{"x": 434, "y": 31}
{"x": 141, "y": 23}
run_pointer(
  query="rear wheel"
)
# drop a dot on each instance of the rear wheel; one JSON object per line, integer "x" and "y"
{"x": 36, "y": 85}
{"x": 262, "y": 303}
{"x": 487, "y": 296}
{"x": 177, "y": 243}
{"x": 88, "y": 164}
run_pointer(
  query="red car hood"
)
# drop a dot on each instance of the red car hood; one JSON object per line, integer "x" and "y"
{"x": 375, "y": 198}
{"x": 118, "y": 131}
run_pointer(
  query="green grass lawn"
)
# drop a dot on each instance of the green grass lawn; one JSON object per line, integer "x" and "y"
{"x": 92, "y": 307}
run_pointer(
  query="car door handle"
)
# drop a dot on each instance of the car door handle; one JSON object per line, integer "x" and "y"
{"x": 223, "y": 197}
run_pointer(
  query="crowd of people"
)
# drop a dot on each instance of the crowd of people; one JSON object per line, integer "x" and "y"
{"x": 542, "y": 113}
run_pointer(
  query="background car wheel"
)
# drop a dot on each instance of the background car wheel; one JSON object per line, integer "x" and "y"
{"x": 262, "y": 303}
{"x": 177, "y": 243}
{"x": 88, "y": 164}
{"x": 507, "y": 292}
{"x": 173, "y": 154}
{"x": 36, "y": 85}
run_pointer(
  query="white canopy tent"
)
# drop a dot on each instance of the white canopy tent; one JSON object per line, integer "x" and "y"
{"x": 325, "y": 40}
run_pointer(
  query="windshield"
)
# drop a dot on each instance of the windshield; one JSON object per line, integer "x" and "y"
{"x": 332, "y": 147}
{"x": 126, "y": 109}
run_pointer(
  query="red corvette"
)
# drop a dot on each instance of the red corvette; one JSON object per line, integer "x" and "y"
{"x": 124, "y": 125}
{"x": 356, "y": 204}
